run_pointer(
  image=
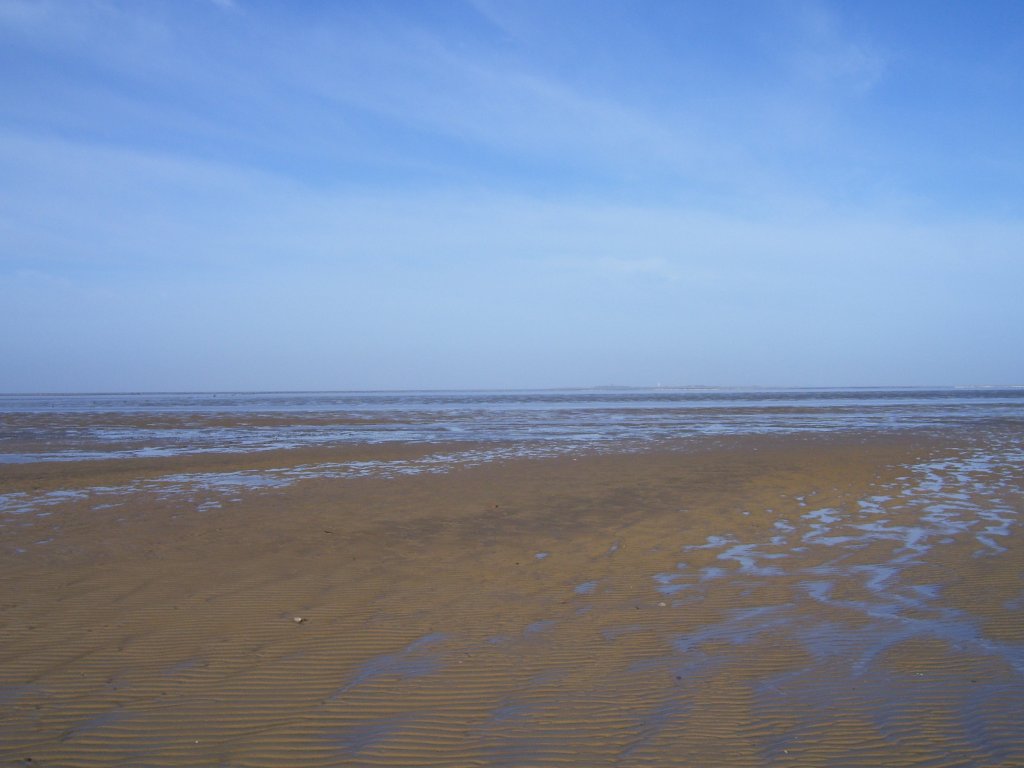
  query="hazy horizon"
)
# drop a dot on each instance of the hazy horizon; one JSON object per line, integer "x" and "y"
{"x": 243, "y": 195}
{"x": 568, "y": 388}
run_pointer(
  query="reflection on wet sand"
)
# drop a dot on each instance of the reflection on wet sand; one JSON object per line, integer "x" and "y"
{"x": 36, "y": 428}
{"x": 797, "y": 601}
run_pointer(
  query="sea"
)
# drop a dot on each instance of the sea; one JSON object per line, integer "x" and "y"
{"x": 75, "y": 427}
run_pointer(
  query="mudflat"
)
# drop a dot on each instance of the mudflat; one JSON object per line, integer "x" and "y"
{"x": 804, "y": 600}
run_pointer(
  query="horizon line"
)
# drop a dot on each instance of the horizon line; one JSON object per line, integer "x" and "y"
{"x": 589, "y": 388}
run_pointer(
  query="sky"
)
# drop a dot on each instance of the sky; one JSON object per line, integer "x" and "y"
{"x": 254, "y": 195}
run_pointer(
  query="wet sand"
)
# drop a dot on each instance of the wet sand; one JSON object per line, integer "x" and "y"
{"x": 802, "y": 600}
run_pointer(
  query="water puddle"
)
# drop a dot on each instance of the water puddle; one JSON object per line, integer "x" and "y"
{"x": 873, "y": 607}
{"x": 421, "y": 657}
{"x": 212, "y": 490}
{"x": 586, "y": 588}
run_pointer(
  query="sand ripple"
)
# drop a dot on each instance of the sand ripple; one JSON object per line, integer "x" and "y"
{"x": 809, "y": 604}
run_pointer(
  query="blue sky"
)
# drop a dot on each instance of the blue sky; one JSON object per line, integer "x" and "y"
{"x": 201, "y": 195}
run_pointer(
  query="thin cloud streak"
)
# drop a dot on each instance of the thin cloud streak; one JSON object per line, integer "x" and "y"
{"x": 408, "y": 76}
{"x": 176, "y": 211}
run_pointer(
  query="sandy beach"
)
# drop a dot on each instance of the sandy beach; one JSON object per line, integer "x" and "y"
{"x": 791, "y": 600}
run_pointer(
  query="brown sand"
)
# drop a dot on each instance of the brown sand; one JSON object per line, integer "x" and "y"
{"x": 567, "y": 611}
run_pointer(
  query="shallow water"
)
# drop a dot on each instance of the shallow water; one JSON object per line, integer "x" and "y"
{"x": 210, "y": 490}
{"x": 76, "y": 427}
{"x": 940, "y": 502}
{"x": 493, "y": 425}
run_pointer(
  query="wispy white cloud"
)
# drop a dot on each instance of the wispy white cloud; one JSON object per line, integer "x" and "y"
{"x": 110, "y": 207}
{"x": 477, "y": 97}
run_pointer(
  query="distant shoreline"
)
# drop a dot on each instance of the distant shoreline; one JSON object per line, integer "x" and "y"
{"x": 598, "y": 388}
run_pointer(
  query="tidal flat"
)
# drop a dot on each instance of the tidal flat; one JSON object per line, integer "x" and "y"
{"x": 793, "y": 598}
